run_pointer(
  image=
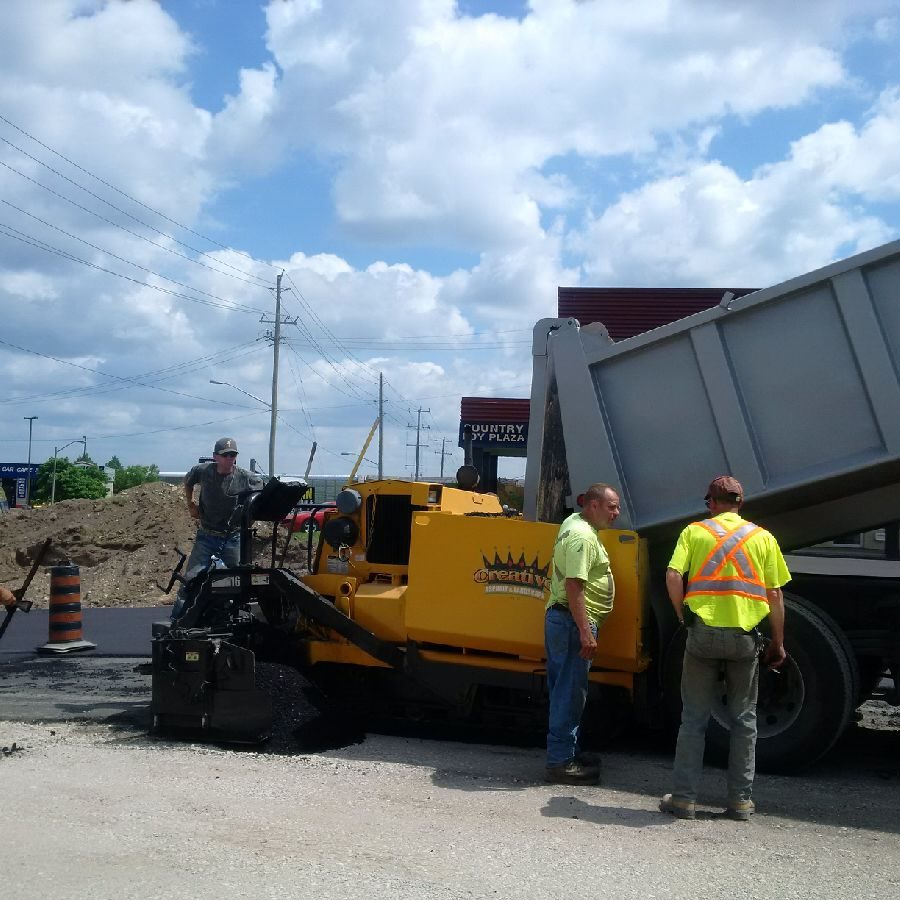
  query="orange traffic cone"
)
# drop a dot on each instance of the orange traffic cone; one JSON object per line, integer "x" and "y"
{"x": 65, "y": 612}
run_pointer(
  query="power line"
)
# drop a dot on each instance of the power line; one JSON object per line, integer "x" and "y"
{"x": 308, "y": 306}
{"x": 335, "y": 387}
{"x": 438, "y": 348}
{"x": 444, "y": 337}
{"x": 358, "y": 392}
{"x": 131, "y": 381}
{"x": 142, "y": 237}
{"x": 167, "y": 372}
{"x": 301, "y": 390}
{"x": 49, "y": 248}
{"x": 113, "y": 188}
{"x": 110, "y": 437}
{"x": 110, "y": 253}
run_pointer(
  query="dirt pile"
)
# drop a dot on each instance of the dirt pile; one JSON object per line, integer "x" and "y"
{"x": 124, "y": 545}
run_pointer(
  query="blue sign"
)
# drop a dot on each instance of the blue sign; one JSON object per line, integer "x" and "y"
{"x": 18, "y": 470}
{"x": 20, "y": 489}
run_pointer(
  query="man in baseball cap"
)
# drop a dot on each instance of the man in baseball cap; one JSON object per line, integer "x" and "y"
{"x": 220, "y": 482}
{"x": 225, "y": 446}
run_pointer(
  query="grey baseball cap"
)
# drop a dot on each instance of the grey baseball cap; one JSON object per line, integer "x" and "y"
{"x": 225, "y": 445}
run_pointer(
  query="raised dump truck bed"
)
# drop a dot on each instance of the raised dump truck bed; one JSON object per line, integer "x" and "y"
{"x": 794, "y": 389}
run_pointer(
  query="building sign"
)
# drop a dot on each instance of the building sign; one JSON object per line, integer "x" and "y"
{"x": 496, "y": 434}
{"x": 20, "y": 489}
{"x": 18, "y": 470}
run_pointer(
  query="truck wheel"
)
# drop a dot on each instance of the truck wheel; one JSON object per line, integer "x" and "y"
{"x": 802, "y": 711}
{"x": 805, "y": 708}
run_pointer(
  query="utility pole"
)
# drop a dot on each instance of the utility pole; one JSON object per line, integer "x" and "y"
{"x": 443, "y": 453}
{"x": 276, "y": 343}
{"x": 418, "y": 426}
{"x": 380, "y": 425}
{"x": 28, "y": 475}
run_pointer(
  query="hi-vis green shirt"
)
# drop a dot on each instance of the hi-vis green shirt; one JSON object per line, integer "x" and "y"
{"x": 578, "y": 553}
{"x": 731, "y": 564}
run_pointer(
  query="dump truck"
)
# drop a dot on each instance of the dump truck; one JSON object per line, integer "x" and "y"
{"x": 425, "y": 600}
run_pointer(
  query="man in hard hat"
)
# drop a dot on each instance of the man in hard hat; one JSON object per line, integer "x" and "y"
{"x": 735, "y": 574}
{"x": 581, "y": 597}
{"x": 220, "y": 482}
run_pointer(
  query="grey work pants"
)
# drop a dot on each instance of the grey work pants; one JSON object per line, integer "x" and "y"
{"x": 708, "y": 651}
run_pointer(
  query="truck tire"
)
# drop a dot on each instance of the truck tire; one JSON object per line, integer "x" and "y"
{"x": 802, "y": 711}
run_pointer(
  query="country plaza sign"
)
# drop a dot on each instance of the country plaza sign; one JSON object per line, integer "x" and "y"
{"x": 496, "y": 433}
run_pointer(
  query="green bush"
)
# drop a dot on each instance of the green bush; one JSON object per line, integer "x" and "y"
{"x": 72, "y": 482}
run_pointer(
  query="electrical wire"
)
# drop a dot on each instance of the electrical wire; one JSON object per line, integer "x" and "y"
{"x": 118, "y": 191}
{"x": 258, "y": 284}
{"x": 301, "y": 391}
{"x": 227, "y": 354}
{"x": 302, "y": 299}
{"x": 131, "y": 381}
{"x": 113, "y": 255}
{"x": 49, "y": 248}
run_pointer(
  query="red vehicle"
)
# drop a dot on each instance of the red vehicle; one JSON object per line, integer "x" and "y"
{"x": 307, "y": 518}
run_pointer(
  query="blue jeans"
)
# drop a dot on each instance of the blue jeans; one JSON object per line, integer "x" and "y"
{"x": 567, "y": 684}
{"x": 708, "y": 651}
{"x": 206, "y": 546}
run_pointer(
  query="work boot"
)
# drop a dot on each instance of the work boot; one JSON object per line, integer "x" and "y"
{"x": 740, "y": 810}
{"x": 572, "y": 772}
{"x": 681, "y": 809}
{"x": 586, "y": 758}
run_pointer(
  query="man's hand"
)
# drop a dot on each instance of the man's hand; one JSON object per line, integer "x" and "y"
{"x": 7, "y": 597}
{"x": 194, "y": 509}
{"x": 588, "y": 644}
{"x": 774, "y": 655}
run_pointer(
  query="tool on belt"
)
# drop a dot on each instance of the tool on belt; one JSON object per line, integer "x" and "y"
{"x": 20, "y": 602}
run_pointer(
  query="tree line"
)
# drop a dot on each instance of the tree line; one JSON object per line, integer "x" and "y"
{"x": 83, "y": 479}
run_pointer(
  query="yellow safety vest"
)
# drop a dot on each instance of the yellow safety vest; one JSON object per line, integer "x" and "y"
{"x": 727, "y": 590}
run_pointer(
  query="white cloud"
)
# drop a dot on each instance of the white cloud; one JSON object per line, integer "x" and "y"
{"x": 480, "y": 133}
{"x": 440, "y": 121}
{"x": 707, "y": 226}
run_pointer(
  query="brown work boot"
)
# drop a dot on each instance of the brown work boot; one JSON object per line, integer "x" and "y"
{"x": 572, "y": 772}
{"x": 681, "y": 809}
{"x": 740, "y": 810}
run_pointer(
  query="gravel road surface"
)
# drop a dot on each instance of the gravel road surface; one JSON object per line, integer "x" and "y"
{"x": 97, "y": 808}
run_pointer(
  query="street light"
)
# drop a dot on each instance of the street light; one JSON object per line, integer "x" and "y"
{"x": 83, "y": 441}
{"x": 267, "y": 406}
{"x": 28, "y": 476}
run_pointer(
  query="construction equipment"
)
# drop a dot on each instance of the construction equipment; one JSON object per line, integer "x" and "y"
{"x": 424, "y": 599}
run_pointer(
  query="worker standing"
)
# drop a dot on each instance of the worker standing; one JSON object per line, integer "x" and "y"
{"x": 220, "y": 483}
{"x": 735, "y": 574}
{"x": 582, "y": 592}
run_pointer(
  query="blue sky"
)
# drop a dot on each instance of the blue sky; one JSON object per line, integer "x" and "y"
{"x": 425, "y": 172}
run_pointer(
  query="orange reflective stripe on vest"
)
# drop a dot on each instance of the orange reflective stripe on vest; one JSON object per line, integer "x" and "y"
{"x": 728, "y": 548}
